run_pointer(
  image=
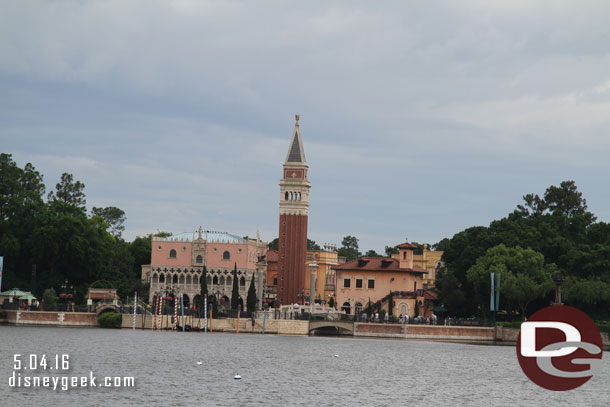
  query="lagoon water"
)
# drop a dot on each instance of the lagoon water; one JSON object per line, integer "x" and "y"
{"x": 278, "y": 371}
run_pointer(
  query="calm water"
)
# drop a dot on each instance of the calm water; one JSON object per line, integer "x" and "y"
{"x": 280, "y": 371}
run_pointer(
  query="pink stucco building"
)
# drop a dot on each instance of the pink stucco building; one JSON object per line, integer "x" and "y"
{"x": 372, "y": 278}
{"x": 177, "y": 264}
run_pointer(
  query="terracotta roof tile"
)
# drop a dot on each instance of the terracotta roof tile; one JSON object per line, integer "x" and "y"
{"x": 377, "y": 264}
{"x": 406, "y": 245}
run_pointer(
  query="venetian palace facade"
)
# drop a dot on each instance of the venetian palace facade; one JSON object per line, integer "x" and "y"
{"x": 177, "y": 264}
{"x": 294, "y": 210}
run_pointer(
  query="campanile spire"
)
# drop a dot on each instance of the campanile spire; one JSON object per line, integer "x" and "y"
{"x": 294, "y": 210}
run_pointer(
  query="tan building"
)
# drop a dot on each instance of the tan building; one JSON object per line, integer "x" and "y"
{"x": 429, "y": 260}
{"x": 319, "y": 263}
{"x": 372, "y": 278}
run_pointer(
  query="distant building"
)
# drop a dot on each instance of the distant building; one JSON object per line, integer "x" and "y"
{"x": 371, "y": 279}
{"x": 324, "y": 275}
{"x": 429, "y": 260}
{"x": 177, "y": 264}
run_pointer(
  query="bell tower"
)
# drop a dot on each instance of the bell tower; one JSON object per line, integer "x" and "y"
{"x": 294, "y": 210}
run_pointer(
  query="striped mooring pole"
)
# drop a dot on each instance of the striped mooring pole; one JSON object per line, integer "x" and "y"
{"x": 135, "y": 305}
{"x": 175, "y": 313}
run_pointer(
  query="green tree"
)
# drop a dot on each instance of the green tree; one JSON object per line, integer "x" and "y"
{"x": 274, "y": 244}
{"x": 372, "y": 253}
{"x": 524, "y": 276}
{"x": 312, "y": 245}
{"x": 390, "y": 250}
{"x": 416, "y": 310}
{"x": 49, "y": 297}
{"x": 349, "y": 248}
{"x": 391, "y": 303}
{"x": 69, "y": 192}
{"x": 251, "y": 299}
{"x": 114, "y": 217}
{"x": 235, "y": 291}
{"x": 331, "y": 302}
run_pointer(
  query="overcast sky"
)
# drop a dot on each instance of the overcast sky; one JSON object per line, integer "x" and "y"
{"x": 419, "y": 119}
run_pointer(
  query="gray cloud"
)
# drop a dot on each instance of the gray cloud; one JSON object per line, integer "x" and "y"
{"x": 419, "y": 119}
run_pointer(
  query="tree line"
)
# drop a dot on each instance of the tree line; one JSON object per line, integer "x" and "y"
{"x": 50, "y": 241}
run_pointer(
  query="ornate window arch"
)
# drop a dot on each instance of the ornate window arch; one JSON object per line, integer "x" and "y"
{"x": 172, "y": 254}
{"x": 226, "y": 255}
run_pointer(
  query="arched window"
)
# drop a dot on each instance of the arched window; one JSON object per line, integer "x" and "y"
{"x": 299, "y": 195}
{"x": 346, "y": 307}
{"x": 155, "y": 279}
{"x": 209, "y": 280}
{"x": 199, "y": 259}
{"x": 222, "y": 280}
{"x": 162, "y": 278}
{"x": 175, "y": 279}
{"x": 242, "y": 282}
{"x": 229, "y": 280}
{"x": 226, "y": 255}
{"x": 286, "y": 196}
{"x": 172, "y": 254}
{"x": 358, "y": 308}
{"x": 215, "y": 280}
{"x": 188, "y": 280}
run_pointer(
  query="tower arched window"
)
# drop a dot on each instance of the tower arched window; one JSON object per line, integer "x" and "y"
{"x": 199, "y": 259}
{"x": 286, "y": 196}
{"x": 172, "y": 254}
{"x": 226, "y": 255}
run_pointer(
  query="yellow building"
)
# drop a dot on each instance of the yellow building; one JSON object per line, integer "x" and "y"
{"x": 429, "y": 260}
{"x": 319, "y": 264}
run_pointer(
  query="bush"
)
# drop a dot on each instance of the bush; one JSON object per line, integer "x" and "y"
{"x": 110, "y": 320}
{"x": 49, "y": 296}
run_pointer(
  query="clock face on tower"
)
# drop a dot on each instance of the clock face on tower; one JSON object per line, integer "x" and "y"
{"x": 291, "y": 173}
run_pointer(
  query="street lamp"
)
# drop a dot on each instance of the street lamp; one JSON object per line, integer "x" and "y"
{"x": 558, "y": 279}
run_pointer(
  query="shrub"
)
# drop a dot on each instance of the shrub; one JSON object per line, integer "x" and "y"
{"x": 110, "y": 320}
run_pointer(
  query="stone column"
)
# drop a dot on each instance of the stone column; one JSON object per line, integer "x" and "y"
{"x": 313, "y": 268}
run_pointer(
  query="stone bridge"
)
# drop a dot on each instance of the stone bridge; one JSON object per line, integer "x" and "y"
{"x": 341, "y": 326}
{"x": 106, "y": 308}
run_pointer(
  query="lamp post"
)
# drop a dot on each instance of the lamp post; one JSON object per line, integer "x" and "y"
{"x": 313, "y": 268}
{"x": 558, "y": 279}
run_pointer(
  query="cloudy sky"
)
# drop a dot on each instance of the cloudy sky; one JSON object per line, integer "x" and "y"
{"x": 419, "y": 119}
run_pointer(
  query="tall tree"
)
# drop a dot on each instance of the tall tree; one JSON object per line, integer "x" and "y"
{"x": 113, "y": 216}
{"x": 235, "y": 291}
{"x": 251, "y": 300}
{"x": 524, "y": 276}
{"x": 390, "y": 250}
{"x": 349, "y": 248}
{"x": 312, "y": 245}
{"x": 391, "y": 303}
{"x": 69, "y": 192}
{"x": 274, "y": 244}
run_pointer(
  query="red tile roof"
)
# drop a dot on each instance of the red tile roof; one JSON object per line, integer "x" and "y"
{"x": 406, "y": 245}
{"x": 430, "y": 295}
{"x": 377, "y": 264}
{"x": 272, "y": 255}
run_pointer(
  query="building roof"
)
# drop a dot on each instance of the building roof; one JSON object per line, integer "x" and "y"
{"x": 210, "y": 235}
{"x": 272, "y": 255}
{"x": 296, "y": 154}
{"x": 377, "y": 264}
{"x": 406, "y": 245}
